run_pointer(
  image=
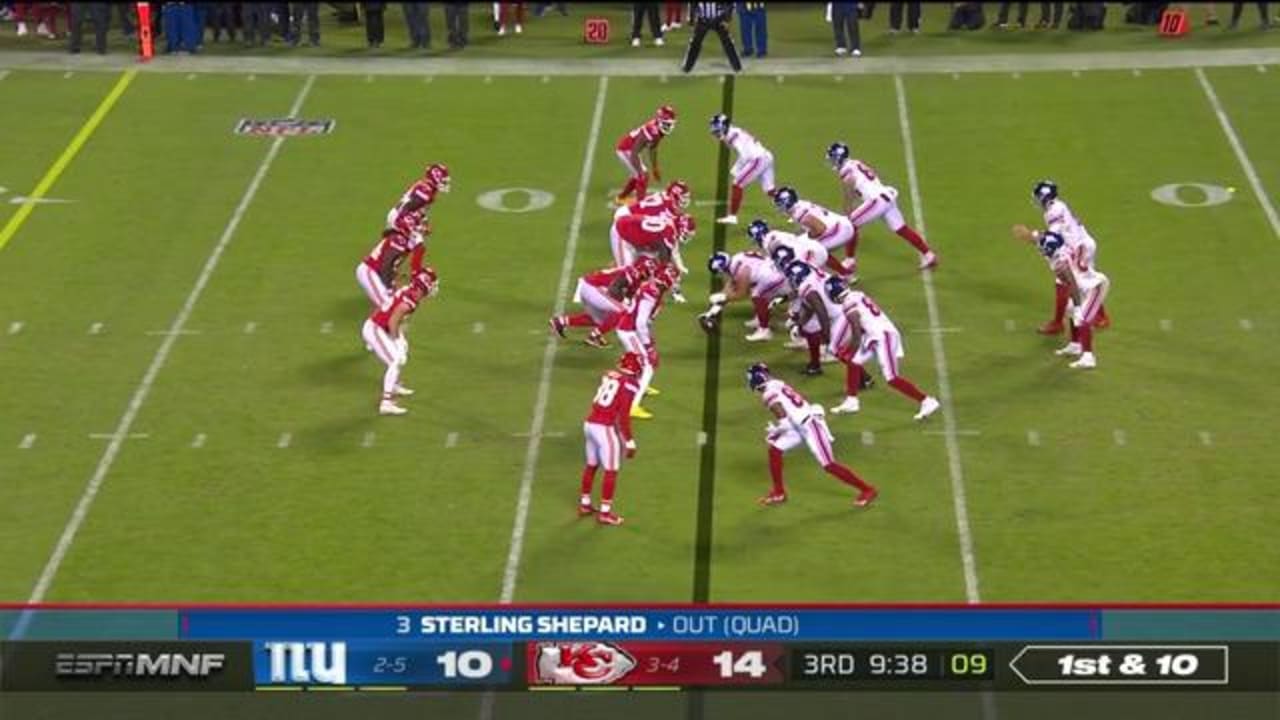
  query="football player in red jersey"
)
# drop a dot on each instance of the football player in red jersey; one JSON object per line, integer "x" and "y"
{"x": 608, "y": 432}
{"x": 635, "y": 330}
{"x": 384, "y": 335}
{"x": 421, "y": 194}
{"x": 377, "y": 272}
{"x": 604, "y": 293}
{"x": 674, "y": 200}
{"x": 647, "y": 136}
{"x": 659, "y": 236}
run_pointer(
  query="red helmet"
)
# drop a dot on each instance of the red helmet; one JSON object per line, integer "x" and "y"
{"x": 426, "y": 280}
{"x": 410, "y": 222}
{"x": 438, "y": 175}
{"x": 630, "y": 363}
{"x": 667, "y": 276}
{"x": 679, "y": 193}
{"x": 666, "y": 117}
{"x": 645, "y": 265}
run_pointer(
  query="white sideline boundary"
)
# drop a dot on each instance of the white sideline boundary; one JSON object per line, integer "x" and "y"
{"x": 837, "y": 68}
{"x": 967, "y": 558}
{"x": 1238, "y": 147}
{"x": 512, "y": 570}
{"x": 153, "y": 370}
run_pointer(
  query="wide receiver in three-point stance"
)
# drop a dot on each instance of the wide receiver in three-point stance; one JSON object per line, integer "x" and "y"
{"x": 796, "y": 421}
{"x": 858, "y": 180}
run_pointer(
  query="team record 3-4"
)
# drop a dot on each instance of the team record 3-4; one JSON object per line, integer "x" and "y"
{"x": 549, "y": 649}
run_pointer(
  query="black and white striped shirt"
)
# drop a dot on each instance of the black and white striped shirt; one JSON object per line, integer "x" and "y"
{"x": 712, "y": 11}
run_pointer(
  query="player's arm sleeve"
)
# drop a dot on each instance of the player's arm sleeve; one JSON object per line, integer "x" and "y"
{"x": 415, "y": 258}
{"x": 624, "y": 421}
{"x": 396, "y": 320}
{"x": 820, "y": 311}
{"x": 850, "y": 195}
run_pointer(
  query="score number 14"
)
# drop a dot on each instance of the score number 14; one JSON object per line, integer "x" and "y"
{"x": 749, "y": 663}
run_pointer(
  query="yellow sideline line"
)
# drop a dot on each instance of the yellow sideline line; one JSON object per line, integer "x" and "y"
{"x": 66, "y": 157}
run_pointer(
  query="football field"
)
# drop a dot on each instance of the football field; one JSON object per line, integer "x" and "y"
{"x": 188, "y": 412}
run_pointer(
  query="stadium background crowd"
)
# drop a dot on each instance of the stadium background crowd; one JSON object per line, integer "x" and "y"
{"x": 186, "y": 27}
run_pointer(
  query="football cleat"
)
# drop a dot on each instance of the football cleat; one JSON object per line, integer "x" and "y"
{"x": 866, "y": 497}
{"x": 609, "y": 518}
{"x": 678, "y": 296}
{"x": 760, "y": 335}
{"x": 1071, "y": 348}
{"x": 928, "y": 261}
{"x": 796, "y": 343}
{"x": 848, "y": 407}
{"x": 557, "y": 326}
{"x": 811, "y": 370}
{"x": 709, "y": 322}
{"x": 402, "y": 391}
{"x": 752, "y": 324}
{"x": 1086, "y": 362}
{"x": 1051, "y": 328}
{"x": 640, "y": 413}
{"x": 651, "y": 390}
{"x": 585, "y": 509}
{"x": 928, "y": 407}
{"x": 388, "y": 407}
{"x": 728, "y": 220}
{"x": 773, "y": 498}
{"x": 595, "y": 339}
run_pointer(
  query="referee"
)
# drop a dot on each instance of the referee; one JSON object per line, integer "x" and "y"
{"x": 711, "y": 16}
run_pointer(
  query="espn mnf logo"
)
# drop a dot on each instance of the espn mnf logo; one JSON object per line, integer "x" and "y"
{"x": 138, "y": 664}
{"x": 307, "y": 663}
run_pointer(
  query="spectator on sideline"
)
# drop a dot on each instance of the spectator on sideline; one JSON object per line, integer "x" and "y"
{"x": 866, "y": 10}
{"x": 126, "y": 18}
{"x": 179, "y": 20}
{"x": 1002, "y": 20}
{"x": 844, "y": 17}
{"x": 708, "y": 16}
{"x": 374, "y": 30}
{"x": 1050, "y": 8}
{"x": 967, "y": 16}
{"x": 640, "y": 11}
{"x": 895, "y": 16}
{"x": 541, "y": 9}
{"x": 458, "y": 23}
{"x": 1238, "y": 7}
{"x": 755, "y": 29}
{"x": 222, "y": 19}
{"x": 257, "y": 23}
{"x": 505, "y": 11}
{"x": 673, "y": 15}
{"x": 45, "y": 16}
{"x": 99, "y": 13}
{"x": 311, "y": 10}
{"x": 417, "y": 19}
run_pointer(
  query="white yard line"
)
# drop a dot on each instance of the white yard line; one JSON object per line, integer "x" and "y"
{"x": 109, "y": 455}
{"x": 250, "y": 327}
{"x": 27, "y": 441}
{"x": 96, "y": 328}
{"x": 512, "y": 571}
{"x": 1263, "y": 199}
{"x": 1206, "y": 438}
{"x": 967, "y": 557}
{"x": 1119, "y": 437}
{"x": 868, "y": 438}
{"x": 1033, "y": 438}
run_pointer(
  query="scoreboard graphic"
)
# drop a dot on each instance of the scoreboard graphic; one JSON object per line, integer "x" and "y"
{"x": 547, "y": 649}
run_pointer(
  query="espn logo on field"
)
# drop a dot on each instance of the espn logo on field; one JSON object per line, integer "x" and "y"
{"x": 307, "y": 663}
{"x": 579, "y": 663}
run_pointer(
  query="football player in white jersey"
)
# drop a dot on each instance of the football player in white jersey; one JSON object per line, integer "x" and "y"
{"x": 748, "y": 274}
{"x": 1088, "y": 289}
{"x": 1084, "y": 249}
{"x": 802, "y": 247}
{"x": 754, "y": 162}
{"x": 863, "y": 332}
{"x": 878, "y": 200}
{"x": 831, "y": 229}
{"x": 796, "y": 420}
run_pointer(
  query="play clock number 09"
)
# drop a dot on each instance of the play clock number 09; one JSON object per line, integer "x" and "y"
{"x": 951, "y": 664}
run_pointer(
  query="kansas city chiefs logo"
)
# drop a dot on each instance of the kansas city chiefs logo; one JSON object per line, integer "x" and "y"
{"x": 587, "y": 663}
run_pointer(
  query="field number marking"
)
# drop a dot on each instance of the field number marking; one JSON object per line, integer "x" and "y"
{"x": 496, "y": 201}
{"x": 1202, "y": 195}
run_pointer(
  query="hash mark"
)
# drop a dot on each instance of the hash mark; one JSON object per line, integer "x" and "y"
{"x": 839, "y": 78}
{"x": 250, "y": 327}
{"x": 252, "y": 77}
{"x": 868, "y": 438}
{"x": 477, "y": 328}
{"x": 451, "y": 440}
{"x": 1119, "y": 437}
{"x": 96, "y": 328}
{"x": 662, "y": 79}
{"x": 781, "y": 79}
{"x": 1010, "y": 325}
{"x": 1033, "y": 438}
{"x": 546, "y": 79}
{"x": 368, "y": 78}
{"x": 198, "y": 441}
{"x": 1246, "y": 324}
{"x": 488, "y": 79}
{"x": 702, "y": 438}
{"x": 191, "y": 76}
{"x": 326, "y": 328}
{"x": 66, "y": 75}
{"x": 15, "y": 327}
{"x": 1017, "y": 75}
{"x": 955, "y": 75}
{"x": 1206, "y": 438}
{"x": 1075, "y": 73}
{"x": 1137, "y": 72}
{"x": 1166, "y": 324}
{"x": 1262, "y": 68}
{"x": 285, "y": 440}
{"x": 428, "y": 78}
{"x": 27, "y": 441}
{"x": 368, "y": 440}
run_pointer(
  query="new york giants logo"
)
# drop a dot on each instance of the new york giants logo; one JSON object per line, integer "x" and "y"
{"x": 320, "y": 663}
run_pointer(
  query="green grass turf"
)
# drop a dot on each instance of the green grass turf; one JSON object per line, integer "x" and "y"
{"x": 795, "y": 30}
{"x": 325, "y": 519}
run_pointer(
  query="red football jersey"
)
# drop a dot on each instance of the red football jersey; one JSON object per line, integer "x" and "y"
{"x": 395, "y": 243}
{"x": 402, "y": 297}
{"x": 648, "y": 232}
{"x": 417, "y": 198}
{"x": 649, "y": 132}
{"x": 655, "y": 203}
{"x": 605, "y": 277}
{"x": 644, "y": 308}
{"x": 611, "y": 406}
